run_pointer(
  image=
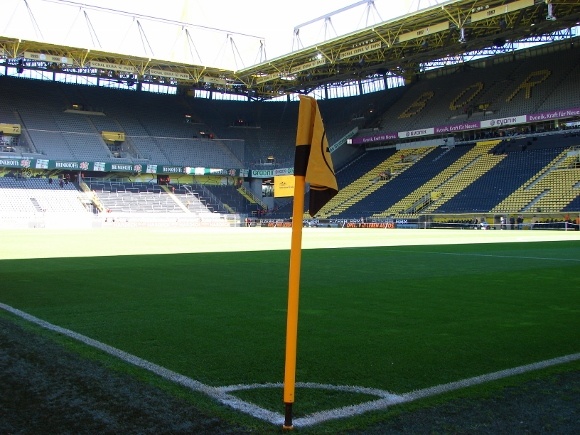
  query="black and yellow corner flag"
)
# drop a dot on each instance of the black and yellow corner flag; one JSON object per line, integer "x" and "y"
{"x": 312, "y": 159}
{"x": 312, "y": 164}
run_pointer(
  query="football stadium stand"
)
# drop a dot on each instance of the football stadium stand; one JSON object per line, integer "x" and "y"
{"x": 490, "y": 137}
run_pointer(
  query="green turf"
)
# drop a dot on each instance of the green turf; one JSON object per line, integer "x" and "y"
{"x": 395, "y": 318}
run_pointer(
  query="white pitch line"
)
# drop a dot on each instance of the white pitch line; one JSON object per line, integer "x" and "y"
{"x": 470, "y": 382}
{"x": 216, "y": 393}
{"x": 222, "y": 394}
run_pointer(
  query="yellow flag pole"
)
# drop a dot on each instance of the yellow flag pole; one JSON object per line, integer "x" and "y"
{"x": 293, "y": 297}
{"x": 312, "y": 156}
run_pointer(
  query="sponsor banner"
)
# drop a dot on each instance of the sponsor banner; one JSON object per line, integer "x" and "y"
{"x": 268, "y": 77}
{"x": 283, "y": 186}
{"x": 417, "y": 133}
{"x": 159, "y": 169}
{"x": 500, "y": 10}
{"x": 457, "y": 127}
{"x": 383, "y": 223}
{"x": 341, "y": 223}
{"x": 363, "y": 48}
{"x": 169, "y": 74}
{"x": 464, "y": 126}
{"x": 112, "y": 67}
{"x": 42, "y": 164}
{"x": 386, "y": 225}
{"x": 556, "y": 114}
{"x": 270, "y": 173}
{"x": 43, "y": 57}
{"x": 211, "y": 171}
{"x": 425, "y": 31}
{"x": 274, "y": 223}
{"x": 116, "y": 167}
{"x": 283, "y": 171}
{"x": 262, "y": 173}
{"x": 502, "y": 122}
{"x": 336, "y": 146}
{"x": 67, "y": 165}
{"x": 214, "y": 80}
{"x": 125, "y": 167}
{"x": 380, "y": 137}
{"x": 11, "y": 163}
{"x": 407, "y": 223}
{"x": 307, "y": 66}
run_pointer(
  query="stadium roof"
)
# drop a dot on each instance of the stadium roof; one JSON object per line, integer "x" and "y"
{"x": 399, "y": 47}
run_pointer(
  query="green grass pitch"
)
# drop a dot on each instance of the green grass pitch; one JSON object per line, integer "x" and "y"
{"x": 397, "y": 317}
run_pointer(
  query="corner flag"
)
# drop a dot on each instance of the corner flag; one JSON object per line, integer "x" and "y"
{"x": 312, "y": 158}
{"x": 312, "y": 164}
